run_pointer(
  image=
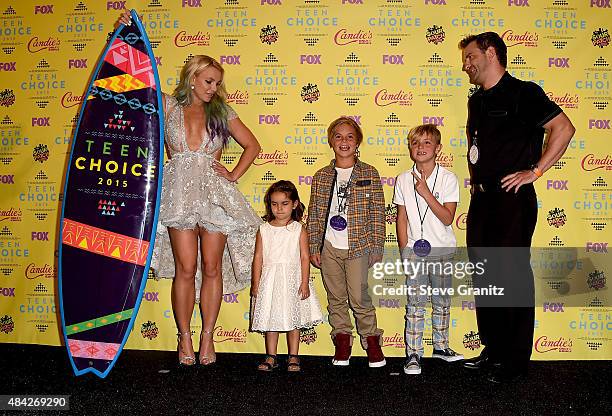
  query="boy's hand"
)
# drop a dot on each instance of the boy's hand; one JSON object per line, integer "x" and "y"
{"x": 374, "y": 258}
{"x": 421, "y": 184}
{"x": 304, "y": 291}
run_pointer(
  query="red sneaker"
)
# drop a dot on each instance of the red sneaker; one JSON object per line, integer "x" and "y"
{"x": 376, "y": 358}
{"x": 343, "y": 349}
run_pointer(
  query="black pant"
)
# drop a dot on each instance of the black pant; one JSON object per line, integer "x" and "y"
{"x": 499, "y": 229}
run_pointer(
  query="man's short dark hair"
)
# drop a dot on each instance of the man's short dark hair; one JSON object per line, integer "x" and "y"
{"x": 484, "y": 41}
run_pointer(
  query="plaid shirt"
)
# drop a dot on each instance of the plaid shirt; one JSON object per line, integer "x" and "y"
{"x": 366, "y": 210}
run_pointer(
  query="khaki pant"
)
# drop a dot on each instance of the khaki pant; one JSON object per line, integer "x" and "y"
{"x": 346, "y": 283}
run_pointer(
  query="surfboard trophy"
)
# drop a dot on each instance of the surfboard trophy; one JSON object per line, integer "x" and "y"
{"x": 111, "y": 202}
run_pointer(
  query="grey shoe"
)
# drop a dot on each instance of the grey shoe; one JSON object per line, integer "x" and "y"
{"x": 413, "y": 365}
{"x": 447, "y": 355}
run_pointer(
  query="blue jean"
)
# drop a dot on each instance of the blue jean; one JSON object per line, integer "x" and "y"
{"x": 415, "y": 308}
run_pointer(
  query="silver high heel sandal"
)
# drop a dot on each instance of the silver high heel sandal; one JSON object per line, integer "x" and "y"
{"x": 184, "y": 359}
{"x": 211, "y": 357}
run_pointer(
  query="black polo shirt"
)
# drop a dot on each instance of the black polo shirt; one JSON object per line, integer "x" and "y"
{"x": 507, "y": 120}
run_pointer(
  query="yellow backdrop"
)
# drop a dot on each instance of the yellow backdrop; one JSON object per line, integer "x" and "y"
{"x": 292, "y": 67}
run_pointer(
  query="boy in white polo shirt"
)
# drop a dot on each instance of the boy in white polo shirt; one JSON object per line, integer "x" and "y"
{"x": 426, "y": 197}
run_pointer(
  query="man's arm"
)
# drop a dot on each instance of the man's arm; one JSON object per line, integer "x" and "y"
{"x": 560, "y": 131}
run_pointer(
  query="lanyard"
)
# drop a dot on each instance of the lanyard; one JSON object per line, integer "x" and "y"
{"x": 342, "y": 205}
{"x": 416, "y": 200}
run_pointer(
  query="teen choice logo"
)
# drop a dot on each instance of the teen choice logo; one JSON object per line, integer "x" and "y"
{"x": 308, "y": 336}
{"x": 6, "y": 324}
{"x": 310, "y": 93}
{"x": 600, "y": 37}
{"x": 149, "y": 330}
{"x": 268, "y": 35}
{"x": 471, "y": 340}
{"x": 556, "y": 217}
{"x": 40, "y": 153}
{"x": 435, "y": 34}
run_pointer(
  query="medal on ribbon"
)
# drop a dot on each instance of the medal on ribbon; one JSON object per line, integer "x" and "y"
{"x": 338, "y": 223}
{"x": 421, "y": 247}
{"x": 474, "y": 152}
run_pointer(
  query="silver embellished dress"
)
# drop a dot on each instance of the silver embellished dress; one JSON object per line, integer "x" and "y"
{"x": 193, "y": 194}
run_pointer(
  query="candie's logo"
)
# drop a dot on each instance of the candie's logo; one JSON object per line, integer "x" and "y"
{"x": 34, "y": 271}
{"x": 71, "y": 100}
{"x": 36, "y": 45}
{"x": 461, "y": 221}
{"x": 565, "y": 101}
{"x": 277, "y": 157}
{"x": 184, "y": 39}
{"x": 344, "y": 37}
{"x": 445, "y": 159}
{"x": 234, "y": 335}
{"x": 238, "y": 97}
{"x": 526, "y": 38}
{"x": 385, "y": 97}
{"x": 544, "y": 344}
{"x": 11, "y": 214}
{"x": 396, "y": 340}
{"x": 591, "y": 162}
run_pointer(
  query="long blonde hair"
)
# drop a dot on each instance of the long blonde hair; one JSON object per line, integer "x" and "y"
{"x": 217, "y": 109}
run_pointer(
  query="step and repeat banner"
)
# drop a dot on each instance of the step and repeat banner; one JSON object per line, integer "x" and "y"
{"x": 291, "y": 68}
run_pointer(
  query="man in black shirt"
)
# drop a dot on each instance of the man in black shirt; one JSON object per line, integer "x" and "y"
{"x": 507, "y": 120}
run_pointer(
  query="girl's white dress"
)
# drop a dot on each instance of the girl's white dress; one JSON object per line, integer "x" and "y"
{"x": 278, "y": 306}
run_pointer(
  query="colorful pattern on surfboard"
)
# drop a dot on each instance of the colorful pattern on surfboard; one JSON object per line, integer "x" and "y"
{"x": 111, "y": 202}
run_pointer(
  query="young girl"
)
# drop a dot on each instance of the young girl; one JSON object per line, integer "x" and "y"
{"x": 283, "y": 298}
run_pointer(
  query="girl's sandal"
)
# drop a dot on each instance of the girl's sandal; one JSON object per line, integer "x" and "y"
{"x": 268, "y": 364}
{"x": 184, "y": 359}
{"x": 293, "y": 364}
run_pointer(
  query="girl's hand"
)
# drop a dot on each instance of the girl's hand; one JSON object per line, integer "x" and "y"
{"x": 254, "y": 290}
{"x": 315, "y": 259}
{"x": 421, "y": 184}
{"x": 125, "y": 18}
{"x": 304, "y": 291}
{"x": 222, "y": 171}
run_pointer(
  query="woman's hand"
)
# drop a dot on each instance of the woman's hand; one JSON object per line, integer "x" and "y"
{"x": 304, "y": 291}
{"x": 125, "y": 18}
{"x": 222, "y": 171}
{"x": 254, "y": 290}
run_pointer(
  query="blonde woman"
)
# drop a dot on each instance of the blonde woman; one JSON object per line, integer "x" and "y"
{"x": 208, "y": 228}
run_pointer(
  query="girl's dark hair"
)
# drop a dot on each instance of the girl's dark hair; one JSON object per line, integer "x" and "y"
{"x": 291, "y": 191}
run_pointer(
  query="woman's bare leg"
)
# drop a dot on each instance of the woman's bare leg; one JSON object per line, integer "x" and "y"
{"x": 211, "y": 246}
{"x": 185, "y": 251}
